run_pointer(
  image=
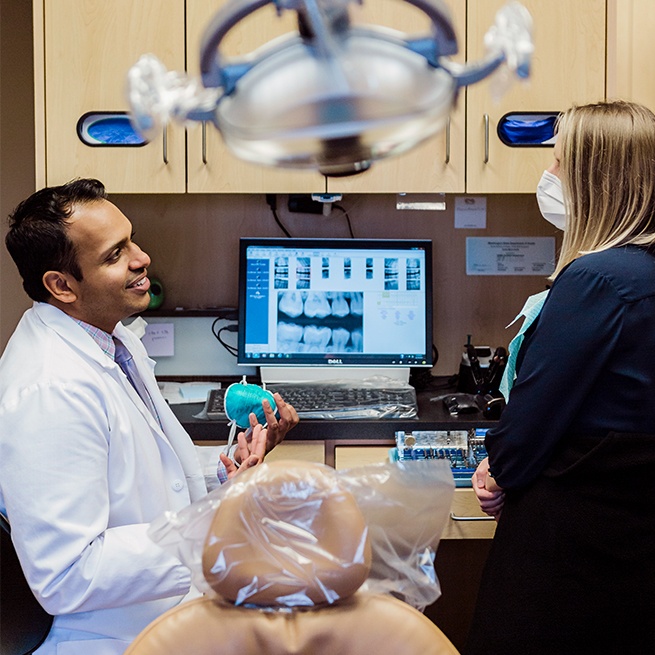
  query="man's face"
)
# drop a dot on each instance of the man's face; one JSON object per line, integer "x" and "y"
{"x": 114, "y": 277}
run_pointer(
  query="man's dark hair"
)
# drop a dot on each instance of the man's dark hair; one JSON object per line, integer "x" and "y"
{"x": 38, "y": 233}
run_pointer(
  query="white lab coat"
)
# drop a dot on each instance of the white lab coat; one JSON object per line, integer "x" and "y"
{"x": 84, "y": 468}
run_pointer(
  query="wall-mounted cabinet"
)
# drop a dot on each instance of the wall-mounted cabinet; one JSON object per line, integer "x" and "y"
{"x": 631, "y": 50}
{"x": 437, "y": 165}
{"x": 83, "y": 50}
{"x": 85, "y": 47}
{"x": 568, "y": 67}
{"x": 212, "y": 167}
{"x": 82, "y": 53}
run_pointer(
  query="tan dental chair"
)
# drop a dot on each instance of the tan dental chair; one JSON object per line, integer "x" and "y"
{"x": 286, "y": 558}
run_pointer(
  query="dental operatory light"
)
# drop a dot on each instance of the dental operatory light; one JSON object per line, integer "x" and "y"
{"x": 333, "y": 96}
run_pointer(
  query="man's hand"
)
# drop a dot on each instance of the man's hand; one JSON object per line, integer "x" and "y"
{"x": 276, "y": 429}
{"x": 490, "y": 496}
{"x": 250, "y": 451}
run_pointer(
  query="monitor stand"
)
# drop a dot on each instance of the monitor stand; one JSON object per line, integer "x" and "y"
{"x": 295, "y": 374}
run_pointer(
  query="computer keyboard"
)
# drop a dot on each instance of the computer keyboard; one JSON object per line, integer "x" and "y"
{"x": 335, "y": 401}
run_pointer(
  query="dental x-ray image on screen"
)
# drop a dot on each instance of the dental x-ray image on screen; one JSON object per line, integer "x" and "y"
{"x": 335, "y": 302}
{"x": 320, "y": 322}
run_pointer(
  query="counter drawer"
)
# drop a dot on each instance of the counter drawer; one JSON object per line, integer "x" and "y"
{"x": 305, "y": 451}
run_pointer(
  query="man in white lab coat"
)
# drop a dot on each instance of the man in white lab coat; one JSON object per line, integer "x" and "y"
{"x": 85, "y": 461}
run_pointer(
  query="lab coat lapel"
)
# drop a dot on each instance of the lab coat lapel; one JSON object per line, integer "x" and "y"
{"x": 78, "y": 339}
{"x": 170, "y": 429}
{"x": 173, "y": 434}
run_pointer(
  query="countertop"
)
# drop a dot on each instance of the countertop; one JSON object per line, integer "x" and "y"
{"x": 432, "y": 415}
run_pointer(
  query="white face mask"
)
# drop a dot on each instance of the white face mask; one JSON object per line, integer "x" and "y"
{"x": 551, "y": 200}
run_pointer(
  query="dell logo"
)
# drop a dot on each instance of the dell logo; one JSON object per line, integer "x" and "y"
{"x": 335, "y": 361}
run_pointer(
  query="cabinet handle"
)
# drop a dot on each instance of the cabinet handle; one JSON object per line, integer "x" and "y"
{"x": 447, "y": 160}
{"x": 204, "y": 142}
{"x": 165, "y": 144}
{"x": 486, "y": 138}
{"x": 454, "y": 517}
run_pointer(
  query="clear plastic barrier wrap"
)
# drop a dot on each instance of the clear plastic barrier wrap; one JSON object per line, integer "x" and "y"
{"x": 375, "y": 397}
{"x": 294, "y": 534}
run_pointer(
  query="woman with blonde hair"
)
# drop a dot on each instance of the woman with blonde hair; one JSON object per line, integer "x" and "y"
{"x": 569, "y": 475}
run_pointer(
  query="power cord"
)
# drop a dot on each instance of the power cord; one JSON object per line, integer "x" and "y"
{"x": 421, "y": 378}
{"x": 345, "y": 213}
{"x": 218, "y": 333}
{"x": 271, "y": 201}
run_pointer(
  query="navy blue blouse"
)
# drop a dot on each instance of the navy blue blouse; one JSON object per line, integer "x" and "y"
{"x": 586, "y": 366}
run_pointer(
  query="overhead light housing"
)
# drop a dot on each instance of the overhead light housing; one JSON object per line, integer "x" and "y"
{"x": 332, "y": 97}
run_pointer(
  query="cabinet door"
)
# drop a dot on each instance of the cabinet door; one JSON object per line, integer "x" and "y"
{"x": 568, "y": 67}
{"x": 89, "y": 45}
{"x": 631, "y": 50}
{"x": 438, "y": 164}
{"x": 212, "y": 167}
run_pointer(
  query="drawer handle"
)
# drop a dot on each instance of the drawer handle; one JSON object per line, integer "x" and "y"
{"x": 486, "y": 138}
{"x": 454, "y": 517}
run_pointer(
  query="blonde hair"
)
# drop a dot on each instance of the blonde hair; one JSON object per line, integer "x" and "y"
{"x": 607, "y": 169}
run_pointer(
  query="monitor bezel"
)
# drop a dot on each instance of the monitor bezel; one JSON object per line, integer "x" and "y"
{"x": 352, "y": 361}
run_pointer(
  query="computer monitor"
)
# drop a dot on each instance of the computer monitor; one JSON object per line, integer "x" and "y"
{"x": 334, "y": 308}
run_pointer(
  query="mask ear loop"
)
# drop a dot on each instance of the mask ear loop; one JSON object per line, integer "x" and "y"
{"x": 232, "y": 423}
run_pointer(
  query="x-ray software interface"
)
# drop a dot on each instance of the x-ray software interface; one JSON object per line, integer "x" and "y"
{"x": 335, "y": 302}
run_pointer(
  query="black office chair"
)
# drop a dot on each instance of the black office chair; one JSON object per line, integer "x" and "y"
{"x": 24, "y": 624}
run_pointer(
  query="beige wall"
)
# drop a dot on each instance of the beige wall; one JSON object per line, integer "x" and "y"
{"x": 193, "y": 238}
{"x": 193, "y": 243}
{"x": 16, "y": 144}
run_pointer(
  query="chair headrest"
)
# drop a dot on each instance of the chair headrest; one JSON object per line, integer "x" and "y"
{"x": 287, "y": 534}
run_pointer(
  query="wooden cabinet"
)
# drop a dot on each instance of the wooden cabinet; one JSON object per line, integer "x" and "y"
{"x": 212, "y": 167}
{"x": 83, "y": 49}
{"x": 438, "y": 165}
{"x": 568, "y": 67}
{"x": 467, "y": 521}
{"x": 303, "y": 451}
{"x": 631, "y": 50}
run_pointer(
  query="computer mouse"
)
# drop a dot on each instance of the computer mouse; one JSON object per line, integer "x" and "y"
{"x": 461, "y": 403}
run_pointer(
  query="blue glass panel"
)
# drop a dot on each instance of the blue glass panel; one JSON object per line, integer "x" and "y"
{"x": 114, "y": 130}
{"x": 527, "y": 129}
{"x": 108, "y": 129}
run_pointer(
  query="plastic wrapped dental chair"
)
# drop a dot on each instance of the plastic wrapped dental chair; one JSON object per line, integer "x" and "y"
{"x": 295, "y": 558}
